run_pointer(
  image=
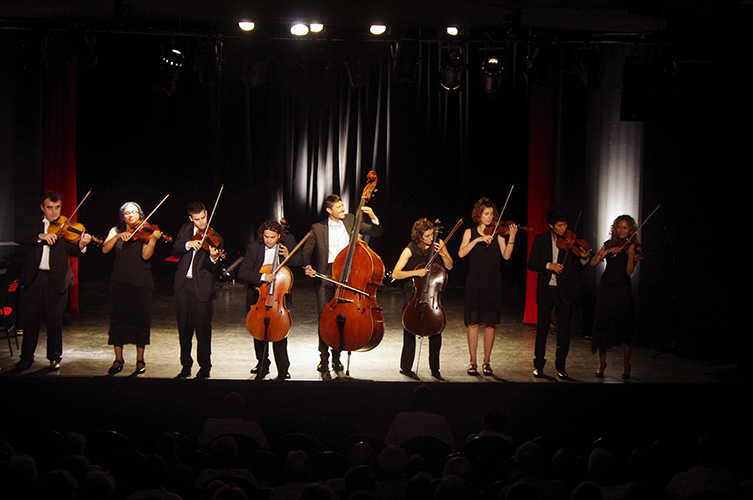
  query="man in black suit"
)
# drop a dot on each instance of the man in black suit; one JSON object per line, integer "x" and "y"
{"x": 194, "y": 289}
{"x": 259, "y": 253}
{"x": 556, "y": 288}
{"x": 46, "y": 277}
{"x": 331, "y": 236}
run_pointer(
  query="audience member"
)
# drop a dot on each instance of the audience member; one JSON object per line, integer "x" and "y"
{"x": 422, "y": 421}
{"x": 710, "y": 473}
{"x": 150, "y": 476}
{"x": 233, "y": 420}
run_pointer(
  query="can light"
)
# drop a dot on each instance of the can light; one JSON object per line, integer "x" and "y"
{"x": 299, "y": 29}
{"x": 378, "y": 29}
{"x": 246, "y": 25}
{"x": 316, "y": 27}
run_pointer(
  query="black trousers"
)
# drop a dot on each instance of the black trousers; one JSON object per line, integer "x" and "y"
{"x": 550, "y": 299}
{"x": 280, "y": 350}
{"x": 409, "y": 351}
{"x": 194, "y": 316}
{"x": 40, "y": 300}
{"x": 324, "y": 293}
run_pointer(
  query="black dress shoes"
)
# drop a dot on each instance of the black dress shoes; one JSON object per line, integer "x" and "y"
{"x": 337, "y": 366}
{"x": 562, "y": 374}
{"x": 255, "y": 369}
{"x": 184, "y": 373}
{"x": 117, "y": 367}
{"x": 24, "y": 364}
{"x": 538, "y": 372}
{"x": 409, "y": 374}
{"x": 285, "y": 376}
{"x": 202, "y": 373}
{"x": 54, "y": 365}
{"x": 322, "y": 367}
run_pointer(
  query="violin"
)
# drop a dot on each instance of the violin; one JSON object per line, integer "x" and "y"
{"x": 209, "y": 239}
{"x": 352, "y": 320}
{"x": 623, "y": 244}
{"x": 69, "y": 230}
{"x": 569, "y": 241}
{"x": 503, "y": 229}
{"x": 143, "y": 231}
{"x": 424, "y": 315}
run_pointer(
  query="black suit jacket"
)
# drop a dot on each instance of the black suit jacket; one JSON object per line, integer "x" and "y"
{"x": 318, "y": 245}
{"x": 204, "y": 276}
{"x": 568, "y": 281}
{"x": 61, "y": 275}
{"x": 248, "y": 272}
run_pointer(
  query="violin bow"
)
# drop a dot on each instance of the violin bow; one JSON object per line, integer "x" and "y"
{"x": 444, "y": 243}
{"x": 627, "y": 240}
{"x": 499, "y": 219}
{"x": 150, "y": 214}
{"x": 74, "y": 212}
{"x": 570, "y": 243}
{"x": 209, "y": 222}
{"x": 294, "y": 250}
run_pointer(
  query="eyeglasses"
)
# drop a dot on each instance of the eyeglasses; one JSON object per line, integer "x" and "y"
{"x": 131, "y": 212}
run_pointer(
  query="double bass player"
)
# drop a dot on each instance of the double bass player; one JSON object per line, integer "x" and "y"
{"x": 330, "y": 236}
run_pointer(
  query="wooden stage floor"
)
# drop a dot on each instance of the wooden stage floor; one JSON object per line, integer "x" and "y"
{"x": 667, "y": 391}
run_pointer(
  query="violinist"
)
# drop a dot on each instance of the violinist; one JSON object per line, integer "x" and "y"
{"x": 46, "y": 277}
{"x": 557, "y": 288}
{"x": 131, "y": 286}
{"x": 194, "y": 288}
{"x": 270, "y": 237}
{"x": 417, "y": 252}
{"x": 614, "y": 316}
{"x": 483, "y": 286}
{"x": 330, "y": 236}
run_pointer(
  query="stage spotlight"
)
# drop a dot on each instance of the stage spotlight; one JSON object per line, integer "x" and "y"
{"x": 299, "y": 29}
{"x": 452, "y": 30}
{"x": 171, "y": 67}
{"x": 492, "y": 74}
{"x": 316, "y": 27}
{"x": 246, "y": 25}
{"x": 378, "y": 29}
{"x": 451, "y": 73}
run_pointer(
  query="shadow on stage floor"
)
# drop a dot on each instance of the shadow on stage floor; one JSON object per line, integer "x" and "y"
{"x": 666, "y": 394}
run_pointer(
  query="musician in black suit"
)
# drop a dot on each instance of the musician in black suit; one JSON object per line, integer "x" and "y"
{"x": 259, "y": 253}
{"x": 194, "y": 289}
{"x": 46, "y": 277}
{"x": 331, "y": 236}
{"x": 556, "y": 288}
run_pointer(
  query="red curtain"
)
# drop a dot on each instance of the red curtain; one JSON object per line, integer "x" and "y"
{"x": 59, "y": 132}
{"x": 540, "y": 166}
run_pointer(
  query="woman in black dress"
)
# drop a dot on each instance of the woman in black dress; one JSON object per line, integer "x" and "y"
{"x": 419, "y": 251}
{"x": 614, "y": 316}
{"x": 131, "y": 287}
{"x": 483, "y": 286}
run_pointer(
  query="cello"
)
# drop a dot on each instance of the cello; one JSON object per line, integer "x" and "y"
{"x": 424, "y": 315}
{"x": 352, "y": 320}
{"x": 269, "y": 319}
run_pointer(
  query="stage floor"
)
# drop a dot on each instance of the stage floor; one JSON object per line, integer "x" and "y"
{"x": 86, "y": 353}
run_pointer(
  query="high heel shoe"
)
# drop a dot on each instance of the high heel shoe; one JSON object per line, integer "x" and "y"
{"x": 488, "y": 369}
{"x": 117, "y": 367}
{"x": 600, "y": 370}
{"x": 472, "y": 369}
{"x": 140, "y": 366}
{"x": 626, "y": 372}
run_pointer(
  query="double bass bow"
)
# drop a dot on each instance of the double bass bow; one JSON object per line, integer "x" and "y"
{"x": 269, "y": 319}
{"x": 352, "y": 320}
{"x": 424, "y": 315}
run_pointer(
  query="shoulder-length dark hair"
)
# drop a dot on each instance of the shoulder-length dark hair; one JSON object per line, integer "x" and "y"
{"x": 479, "y": 207}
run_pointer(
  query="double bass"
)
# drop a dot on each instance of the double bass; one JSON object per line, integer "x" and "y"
{"x": 352, "y": 320}
{"x": 424, "y": 315}
{"x": 269, "y": 319}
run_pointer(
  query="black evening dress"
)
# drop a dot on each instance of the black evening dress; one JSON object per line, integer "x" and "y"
{"x": 131, "y": 287}
{"x": 614, "y": 320}
{"x": 483, "y": 286}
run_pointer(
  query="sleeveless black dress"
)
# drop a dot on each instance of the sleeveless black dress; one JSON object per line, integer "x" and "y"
{"x": 483, "y": 285}
{"x": 614, "y": 318}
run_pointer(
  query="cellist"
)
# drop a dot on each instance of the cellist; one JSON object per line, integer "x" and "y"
{"x": 419, "y": 251}
{"x": 330, "y": 236}
{"x": 270, "y": 238}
